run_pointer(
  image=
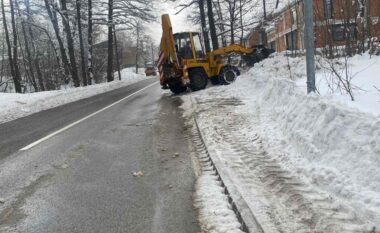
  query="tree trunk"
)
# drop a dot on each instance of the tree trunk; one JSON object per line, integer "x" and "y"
{"x": 15, "y": 48}
{"x": 137, "y": 48}
{"x": 89, "y": 55}
{"x": 2, "y": 63}
{"x": 221, "y": 19}
{"x": 83, "y": 63}
{"x": 232, "y": 21}
{"x": 29, "y": 66}
{"x": 203, "y": 23}
{"x": 70, "y": 44}
{"x": 210, "y": 14}
{"x": 54, "y": 21}
{"x": 13, "y": 61}
{"x": 110, "y": 42}
{"x": 36, "y": 60}
{"x": 116, "y": 53}
{"x": 241, "y": 23}
{"x": 9, "y": 47}
{"x": 265, "y": 9}
{"x": 27, "y": 74}
{"x": 29, "y": 57}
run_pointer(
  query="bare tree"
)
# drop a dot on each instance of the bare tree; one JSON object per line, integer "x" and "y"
{"x": 116, "y": 53}
{"x": 36, "y": 56}
{"x": 70, "y": 44}
{"x": 54, "y": 20}
{"x": 211, "y": 21}
{"x": 138, "y": 28}
{"x": 10, "y": 60}
{"x": 15, "y": 49}
{"x": 110, "y": 42}
{"x": 83, "y": 63}
{"x": 203, "y": 25}
{"x": 90, "y": 71}
{"x": 42, "y": 57}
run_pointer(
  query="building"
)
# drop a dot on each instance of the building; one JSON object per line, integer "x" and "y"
{"x": 337, "y": 23}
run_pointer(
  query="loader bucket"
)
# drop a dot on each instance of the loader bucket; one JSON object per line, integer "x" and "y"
{"x": 259, "y": 54}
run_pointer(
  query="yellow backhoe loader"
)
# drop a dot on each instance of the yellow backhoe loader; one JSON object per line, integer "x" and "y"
{"x": 183, "y": 63}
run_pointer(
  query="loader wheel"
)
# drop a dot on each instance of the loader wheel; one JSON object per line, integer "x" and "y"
{"x": 198, "y": 79}
{"x": 228, "y": 74}
{"x": 215, "y": 80}
{"x": 177, "y": 87}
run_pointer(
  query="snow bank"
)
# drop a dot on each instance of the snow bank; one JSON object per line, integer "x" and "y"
{"x": 13, "y": 105}
{"x": 363, "y": 68}
{"x": 336, "y": 147}
{"x": 322, "y": 140}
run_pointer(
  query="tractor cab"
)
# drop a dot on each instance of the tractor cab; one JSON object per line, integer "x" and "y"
{"x": 188, "y": 46}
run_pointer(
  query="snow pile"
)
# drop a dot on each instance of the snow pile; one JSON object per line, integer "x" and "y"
{"x": 336, "y": 147}
{"x": 331, "y": 146}
{"x": 364, "y": 70}
{"x": 215, "y": 214}
{"x": 13, "y": 105}
{"x": 282, "y": 66}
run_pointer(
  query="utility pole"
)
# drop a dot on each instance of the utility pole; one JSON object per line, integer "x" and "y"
{"x": 309, "y": 44}
{"x": 265, "y": 9}
{"x": 263, "y": 36}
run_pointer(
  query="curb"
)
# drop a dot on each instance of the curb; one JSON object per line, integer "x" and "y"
{"x": 249, "y": 223}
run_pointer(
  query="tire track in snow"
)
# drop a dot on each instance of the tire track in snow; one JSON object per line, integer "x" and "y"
{"x": 218, "y": 191}
{"x": 288, "y": 199}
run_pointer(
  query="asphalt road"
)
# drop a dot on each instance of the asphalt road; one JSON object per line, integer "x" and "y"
{"x": 81, "y": 179}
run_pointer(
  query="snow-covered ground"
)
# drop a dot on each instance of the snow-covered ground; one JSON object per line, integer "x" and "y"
{"x": 215, "y": 213}
{"x": 363, "y": 69}
{"x": 303, "y": 163}
{"x": 13, "y": 105}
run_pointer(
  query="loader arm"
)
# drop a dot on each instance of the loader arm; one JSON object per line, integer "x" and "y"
{"x": 167, "y": 46}
{"x": 234, "y": 48}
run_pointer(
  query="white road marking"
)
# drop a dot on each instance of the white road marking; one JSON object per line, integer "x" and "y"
{"x": 83, "y": 119}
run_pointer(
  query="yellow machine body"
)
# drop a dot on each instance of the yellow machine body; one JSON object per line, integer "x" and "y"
{"x": 182, "y": 52}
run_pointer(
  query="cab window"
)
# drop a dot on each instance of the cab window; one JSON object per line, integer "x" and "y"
{"x": 185, "y": 49}
{"x": 198, "y": 47}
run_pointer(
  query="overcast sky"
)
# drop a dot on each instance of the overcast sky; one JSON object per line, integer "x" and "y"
{"x": 179, "y": 22}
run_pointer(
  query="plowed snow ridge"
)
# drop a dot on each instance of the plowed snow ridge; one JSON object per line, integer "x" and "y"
{"x": 303, "y": 163}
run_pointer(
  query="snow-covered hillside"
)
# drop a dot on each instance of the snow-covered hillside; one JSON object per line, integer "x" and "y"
{"x": 13, "y": 105}
{"x": 313, "y": 155}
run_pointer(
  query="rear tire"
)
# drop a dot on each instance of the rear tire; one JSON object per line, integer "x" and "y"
{"x": 198, "y": 79}
{"x": 215, "y": 80}
{"x": 228, "y": 74}
{"x": 177, "y": 87}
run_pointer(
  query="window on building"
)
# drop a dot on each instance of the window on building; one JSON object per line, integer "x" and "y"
{"x": 272, "y": 45}
{"x": 294, "y": 16}
{"x": 328, "y": 9}
{"x": 291, "y": 41}
{"x": 262, "y": 37}
{"x": 341, "y": 32}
